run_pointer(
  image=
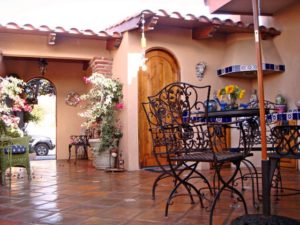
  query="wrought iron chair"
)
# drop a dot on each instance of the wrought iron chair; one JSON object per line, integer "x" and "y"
{"x": 14, "y": 152}
{"x": 191, "y": 140}
{"x": 286, "y": 144}
{"x": 251, "y": 128}
{"x": 79, "y": 142}
{"x": 159, "y": 152}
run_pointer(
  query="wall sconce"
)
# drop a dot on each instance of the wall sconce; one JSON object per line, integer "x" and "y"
{"x": 43, "y": 66}
{"x": 143, "y": 65}
{"x": 200, "y": 70}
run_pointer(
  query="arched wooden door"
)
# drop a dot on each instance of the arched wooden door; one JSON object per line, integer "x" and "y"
{"x": 162, "y": 69}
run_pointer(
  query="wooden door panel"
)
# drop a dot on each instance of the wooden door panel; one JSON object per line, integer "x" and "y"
{"x": 162, "y": 69}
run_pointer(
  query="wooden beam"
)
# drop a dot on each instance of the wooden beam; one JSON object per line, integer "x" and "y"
{"x": 113, "y": 44}
{"x": 204, "y": 32}
{"x": 150, "y": 23}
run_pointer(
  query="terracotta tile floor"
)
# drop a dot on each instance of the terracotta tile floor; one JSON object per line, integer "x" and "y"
{"x": 63, "y": 193}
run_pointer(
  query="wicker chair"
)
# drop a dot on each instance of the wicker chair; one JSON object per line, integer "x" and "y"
{"x": 14, "y": 152}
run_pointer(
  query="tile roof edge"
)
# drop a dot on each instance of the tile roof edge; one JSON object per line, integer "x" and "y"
{"x": 12, "y": 27}
{"x": 128, "y": 23}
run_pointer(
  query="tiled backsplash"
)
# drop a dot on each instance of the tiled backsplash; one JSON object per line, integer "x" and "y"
{"x": 269, "y": 67}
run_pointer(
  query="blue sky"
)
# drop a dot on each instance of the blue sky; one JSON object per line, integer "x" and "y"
{"x": 92, "y": 14}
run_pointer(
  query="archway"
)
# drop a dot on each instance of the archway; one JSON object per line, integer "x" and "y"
{"x": 42, "y": 93}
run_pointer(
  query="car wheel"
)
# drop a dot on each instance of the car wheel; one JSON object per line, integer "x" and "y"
{"x": 41, "y": 149}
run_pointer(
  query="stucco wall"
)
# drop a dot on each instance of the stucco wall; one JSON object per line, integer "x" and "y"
{"x": 125, "y": 68}
{"x": 66, "y": 77}
{"x": 179, "y": 42}
{"x": 288, "y": 47}
{"x": 28, "y": 45}
{"x": 188, "y": 53}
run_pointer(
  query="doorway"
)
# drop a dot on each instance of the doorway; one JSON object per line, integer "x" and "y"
{"x": 43, "y": 132}
{"x": 162, "y": 69}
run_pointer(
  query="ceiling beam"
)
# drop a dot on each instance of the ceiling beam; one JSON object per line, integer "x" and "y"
{"x": 204, "y": 31}
{"x": 150, "y": 23}
{"x": 113, "y": 44}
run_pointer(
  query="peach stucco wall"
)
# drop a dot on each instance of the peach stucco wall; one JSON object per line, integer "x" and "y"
{"x": 126, "y": 62}
{"x": 29, "y": 45}
{"x": 187, "y": 52}
{"x": 64, "y": 74}
{"x": 288, "y": 46}
{"x": 66, "y": 77}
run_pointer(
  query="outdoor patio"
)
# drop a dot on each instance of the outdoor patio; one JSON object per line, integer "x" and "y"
{"x": 63, "y": 193}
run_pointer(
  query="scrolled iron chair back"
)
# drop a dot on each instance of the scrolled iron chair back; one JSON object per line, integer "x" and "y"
{"x": 177, "y": 102}
{"x": 175, "y": 107}
{"x": 286, "y": 140}
{"x": 154, "y": 127}
{"x": 249, "y": 134}
{"x": 255, "y": 124}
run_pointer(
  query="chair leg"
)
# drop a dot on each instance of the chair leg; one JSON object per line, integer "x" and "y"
{"x": 70, "y": 147}
{"x": 3, "y": 176}
{"x": 28, "y": 169}
{"x": 226, "y": 185}
{"x": 158, "y": 178}
{"x": 76, "y": 154}
{"x": 85, "y": 152}
{"x": 254, "y": 180}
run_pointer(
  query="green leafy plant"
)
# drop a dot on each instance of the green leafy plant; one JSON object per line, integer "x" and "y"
{"x": 102, "y": 104}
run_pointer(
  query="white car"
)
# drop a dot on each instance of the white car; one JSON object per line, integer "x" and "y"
{"x": 41, "y": 145}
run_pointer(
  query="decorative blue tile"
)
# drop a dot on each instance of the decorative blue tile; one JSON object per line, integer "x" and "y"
{"x": 289, "y": 116}
{"x": 283, "y": 117}
{"x": 227, "y": 120}
{"x": 274, "y": 117}
{"x": 236, "y": 68}
{"x": 219, "y": 120}
{"x": 282, "y": 67}
{"x": 251, "y": 67}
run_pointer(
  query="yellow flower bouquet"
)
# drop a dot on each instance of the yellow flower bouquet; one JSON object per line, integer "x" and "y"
{"x": 231, "y": 93}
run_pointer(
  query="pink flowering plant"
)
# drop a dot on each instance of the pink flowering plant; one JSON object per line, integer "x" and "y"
{"x": 12, "y": 103}
{"x": 102, "y": 103}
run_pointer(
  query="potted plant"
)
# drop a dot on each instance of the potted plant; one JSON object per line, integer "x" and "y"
{"x": 231, "y": 93}
{"x": 280, "y": 104}
{"x": 103, "y": 101}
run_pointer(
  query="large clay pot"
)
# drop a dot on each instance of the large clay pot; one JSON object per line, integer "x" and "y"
{"x": 101, "y": 159}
